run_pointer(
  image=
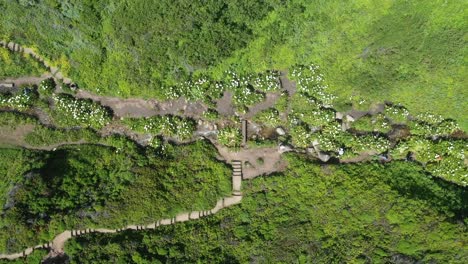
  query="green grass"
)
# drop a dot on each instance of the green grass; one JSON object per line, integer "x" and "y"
{"x": 309, "y": 214}
{"x": 14, "y": 65}
{"x": 410, "y": 52}
{"x": 83, "y": 186}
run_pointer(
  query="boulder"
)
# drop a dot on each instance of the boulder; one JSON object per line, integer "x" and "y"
{"x": 280, "y": 131}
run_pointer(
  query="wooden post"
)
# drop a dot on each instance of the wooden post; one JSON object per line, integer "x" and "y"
{"x": 244, "y": 132}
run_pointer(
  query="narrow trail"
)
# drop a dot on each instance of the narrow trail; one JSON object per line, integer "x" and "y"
{"x": 54, "y": 71}
{"x": 269, "y": 102}
{"x": 27, "y": 80}
{"x": 247, "y": 162}
{"x": 56, "y": 246}
{"x": 135, "y": 107}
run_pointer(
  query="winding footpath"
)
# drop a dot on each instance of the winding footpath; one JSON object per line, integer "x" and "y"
{"x": 54, "y": 71}
{"x": 56, "y": 246}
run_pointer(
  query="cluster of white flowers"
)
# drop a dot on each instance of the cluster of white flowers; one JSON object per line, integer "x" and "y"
{"x": 311, "y": 82}
{"x": 442, "y": 158}
{"x": 246, "y": 95}
{"x": 20, "y": 101}
{"x": 397, "y": 114}
{"x": 230, "y": 137}
{"x": 71, "y": 111}
{"x": 269, "y": 117}
{"x": 46, "y": 86}
{"x": 319, "y": 117}
{"x": 168, "y": 125}
{"x": 301, "y": 137}
{"x": 375, "y": 143}
{"x": 266, "y": 82}
{"x": 191, "y": 89}
{"x": 445, "y": 127}
{"x": 429, "y": 118}
{"x": 329, "y": 137}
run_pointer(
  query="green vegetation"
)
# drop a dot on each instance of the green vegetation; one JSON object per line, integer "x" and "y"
{"x": 402, "y": 51}
{"x": 71, "y": 112}
{"x": 47, "y": 87}
{"x": 14, "y": 119}
{"x": 269, "y": 117}
{"x": 401, "y": 62}
{"x": 169, "y": 126}
{"x": 390, "y": 213}
{"x": 45, "y": 136}
{"x": 21, "y": 100}
{"x": 94, "y": 185}
{"x": 129, "y": 47}
{"x": 378, "y": 123}
{"x": 444, "y": 158}
{"x": 14, "y": 65}
{"x": 230, "y": 137}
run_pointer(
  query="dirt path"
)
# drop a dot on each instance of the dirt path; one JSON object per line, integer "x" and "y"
{"x": 54, "y": 71}
{"x": 27, "y": 80}
{"x": 135, "y": 107}
{"x": 269, "y": 102}
{"x": 287, "y": 84}
{"x": 257, "y": 161}
{"x": 224, "y": 105}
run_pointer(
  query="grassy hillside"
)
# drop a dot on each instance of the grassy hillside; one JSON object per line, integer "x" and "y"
{"x": 412, "y": 52}
{"x": 43, "y": 193}
{"x": 16, "y": 65}
{"x": 312, "y": 214}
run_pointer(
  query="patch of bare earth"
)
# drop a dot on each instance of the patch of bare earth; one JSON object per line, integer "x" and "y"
{"x": 224, "y": 104}
{"x": 288, "y": 85}
{"x": 135, "y": 107}
{"x": 257, "y": 161}
{"x": 269, "y": 102}
{"x": 27, "y": 80}
{"x": 15, "y": 136}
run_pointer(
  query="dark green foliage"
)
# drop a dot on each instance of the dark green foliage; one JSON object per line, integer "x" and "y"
{"x": 13, "y": 119}
{"x": 311, "y": 214}
{"x": 47, "y": 87}
{"x": 74, "y": 178}
{"x": 14, "y": 163}
{"x": 83, "y": 186}
{"x": 187, "y": 178}
{"x": 44, "y": 136}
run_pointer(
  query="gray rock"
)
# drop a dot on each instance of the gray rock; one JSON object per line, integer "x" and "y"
{"x": 280, "y": 131}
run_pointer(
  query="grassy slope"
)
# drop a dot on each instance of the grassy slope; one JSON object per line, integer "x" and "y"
{"x": 94, "y": 186}
{"x": 15, "y": 65}
{"x": 411, "y": 52}
{"x": 403, "y": 51}
{"x": 312, "y": 214}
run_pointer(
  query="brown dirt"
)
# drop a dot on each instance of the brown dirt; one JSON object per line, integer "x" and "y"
{"x": 272, "y": 161}
{"x": 135, "y": 107}
{"x": 224, "y": 105}
{"x": 287, "y": 84}
{"x": 27, "y": 80}
{"x": 269, "y": 101}
{"x": 15, "y": 136}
